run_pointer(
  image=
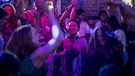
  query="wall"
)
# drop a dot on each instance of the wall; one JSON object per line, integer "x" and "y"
{"x": 92, "y": 7}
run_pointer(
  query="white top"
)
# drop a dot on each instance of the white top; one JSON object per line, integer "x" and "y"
{"x": 84, "y": 28}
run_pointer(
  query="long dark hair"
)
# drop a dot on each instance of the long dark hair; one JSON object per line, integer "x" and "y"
{"x": 21, "y": 42}
{"x": 107, "y": 34}
{"x": 113, "y": 22}
{"x": 102, "y": 12}
{"x": 111, "y": 44}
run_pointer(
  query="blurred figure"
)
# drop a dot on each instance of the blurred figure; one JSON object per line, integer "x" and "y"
{"x": 60, "y": 53}
{"x": 28, "y": 48}
{"x": 74, "y": 48}
{"x": 102, "y": 18}
{"x": 3, "y": 14}
{"x": 11, "y": 24}
{"x": 127, "y": 12}
{"x": 91, "y": 22}
{"x": 128, "y": 15}
{"x": 114, "y": 25}
{"x": 29, "y": 16}
{"x": 44, "y": 29}
{"x": 9, "y": 64}
{"x": 84, "y": 27}
{"x": 43, "y": 24}
{"x": 103, "y": 49}
{"x": 64, "y": 20}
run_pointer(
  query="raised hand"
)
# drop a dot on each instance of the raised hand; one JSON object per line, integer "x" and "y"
{"x": 115, "y": 3}
{"x": 74, "y": 2}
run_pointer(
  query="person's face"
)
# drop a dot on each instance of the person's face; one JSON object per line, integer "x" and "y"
{"x": 9, "y": 10}
{"x": 40, "y": 5}
{"x": 100, "y": 37}
{"x": 91, "y": 23}
{"x": 35, "y": 36}
{"x": 103, "y": 16}
{"x": 44, "y": 21}
{"x": 81, "y": 16}
{"x": 39, "y": 8}
{"x": 72, "y": 28}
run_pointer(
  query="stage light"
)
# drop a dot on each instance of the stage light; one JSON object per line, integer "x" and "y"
{"x": 6, "y": 0}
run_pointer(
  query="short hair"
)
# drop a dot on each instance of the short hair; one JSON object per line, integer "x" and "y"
{"x": 9, "y": 64}
{"x": 2, "y": 13}
{"x": 74, "y": 20}
{"x": 101, "y": 12}
{"x": 79, "y": 11}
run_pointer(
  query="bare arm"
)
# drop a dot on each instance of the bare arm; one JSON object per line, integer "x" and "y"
{"x": 64, "y": 15}
{"x": 113, "y": 10}
{"x": 73, "y": 12}
{"x": 128, "y": 16}
{"x": 51, "y": 46}
{"x": 116, "y": 12}
{"x": 72, "y": 15}
{"x": 127, "y": 11}
{"x": 123, "y": 12}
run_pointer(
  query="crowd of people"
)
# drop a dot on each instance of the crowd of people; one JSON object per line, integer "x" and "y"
{"x": 38, "y": 42}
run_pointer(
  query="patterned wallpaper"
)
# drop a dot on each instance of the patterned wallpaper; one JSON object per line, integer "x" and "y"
{"x": 92, "y": 7}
